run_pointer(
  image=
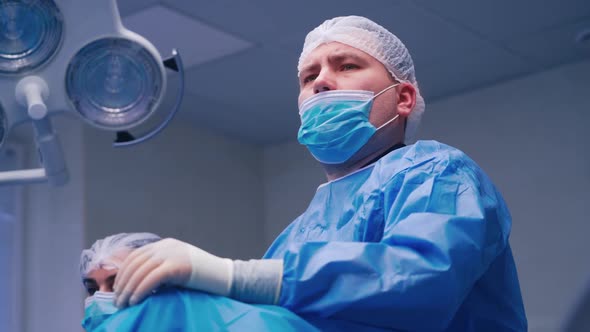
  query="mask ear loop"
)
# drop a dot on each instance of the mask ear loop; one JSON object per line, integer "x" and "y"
{"x": 387, "y": 88}
{"x": 377, "y": 95}
{"x": 389, "y": 121}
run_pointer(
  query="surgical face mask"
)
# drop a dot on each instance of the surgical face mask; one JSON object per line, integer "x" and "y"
{"x": 335, "y": 124}
{"x": 97, "y": 309}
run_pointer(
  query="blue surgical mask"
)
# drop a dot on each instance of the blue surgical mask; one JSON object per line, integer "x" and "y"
{"x": 335, "y": 124}
{"x": 97, "y": 309}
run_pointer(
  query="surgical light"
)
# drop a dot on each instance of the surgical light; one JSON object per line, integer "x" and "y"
{"x": 76, "y": 56}
{"x": 114, "y": 83}
{"x": 30, "y": 33}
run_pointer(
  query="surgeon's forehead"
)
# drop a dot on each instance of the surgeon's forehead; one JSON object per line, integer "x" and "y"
{"x": 117, "y": 257}
{"x": 334, "y": 50}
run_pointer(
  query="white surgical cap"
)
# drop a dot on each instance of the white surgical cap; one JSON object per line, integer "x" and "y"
{"x": 99, "y": 255}
{"x": 373, "y": 39}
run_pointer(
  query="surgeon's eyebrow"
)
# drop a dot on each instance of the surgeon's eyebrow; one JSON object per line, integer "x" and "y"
{"x": 339, "y": 57}
{"x": 333, "y": 58}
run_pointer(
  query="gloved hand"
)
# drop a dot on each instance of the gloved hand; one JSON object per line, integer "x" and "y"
{"x": 171, "y": 262}
{"x": 176, "y": 263}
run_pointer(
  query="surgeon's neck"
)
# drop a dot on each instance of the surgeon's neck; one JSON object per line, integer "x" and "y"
{"x": 334, "y": 172}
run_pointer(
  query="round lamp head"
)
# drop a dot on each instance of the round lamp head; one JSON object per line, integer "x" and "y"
{"x": 30, "y": 33}
{"x": 114, "y": 83}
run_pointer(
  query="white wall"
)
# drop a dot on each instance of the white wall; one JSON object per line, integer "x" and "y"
{"x": 52, "y": 217}
{"x": 291, "y": 177}
{"x": 11, "y": 243}
{"x": 185, "y": 183}
{"x": 531, "y": 136}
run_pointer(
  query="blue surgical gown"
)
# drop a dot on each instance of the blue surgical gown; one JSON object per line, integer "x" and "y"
{"x": 183, "y": 310}
{"x": 417, "y": 241}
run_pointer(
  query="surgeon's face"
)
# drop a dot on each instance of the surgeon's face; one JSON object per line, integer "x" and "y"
{"x": 103, "y": 278}
{"x": 336, "y": 66}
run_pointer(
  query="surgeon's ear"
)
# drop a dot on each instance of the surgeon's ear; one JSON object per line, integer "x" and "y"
{"x": 406, "y": 99}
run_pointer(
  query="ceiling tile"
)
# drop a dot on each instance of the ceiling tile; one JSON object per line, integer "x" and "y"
{"x": 269, "y": 21}
{"x": 245, "y": 19}
{"x": 128, "y": 7}
{"x": 182, "y": 32}
{"x": 294, "y": 19}
{"x": 469, "y": 70}
{"x": 257, "y": 77}
{"x": 241, "y": 122}
{"x": 554, "y": 46}
{"x": 427, "y": 36}
{"x": 254, "y": 92}
{"x": 505, "y": 19}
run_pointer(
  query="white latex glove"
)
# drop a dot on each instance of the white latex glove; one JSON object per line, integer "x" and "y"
{"x": 171, "y": 262}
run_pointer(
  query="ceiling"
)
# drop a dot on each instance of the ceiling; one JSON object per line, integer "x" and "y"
{"x": 241, "y": 55}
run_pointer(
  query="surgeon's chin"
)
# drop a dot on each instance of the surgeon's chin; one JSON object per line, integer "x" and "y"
{"x": 375, "y": 147}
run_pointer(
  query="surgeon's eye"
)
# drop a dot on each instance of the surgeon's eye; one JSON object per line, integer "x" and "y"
{"x": 309, "y": 78}
{"x": 110, "y": 282}
{"x": 349, "y": 66}
{"x": 91, "y": 290}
